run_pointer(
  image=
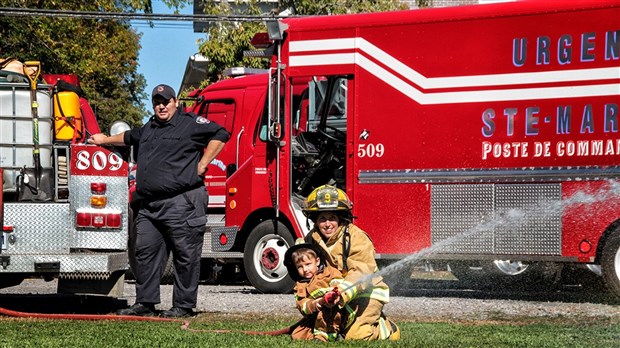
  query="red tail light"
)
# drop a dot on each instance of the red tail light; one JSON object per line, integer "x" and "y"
{"x": 113, "y": 220}
{"x": 98, "y": 188}
{"x": 98, "y": 219}
{"x": 83, "y": 219}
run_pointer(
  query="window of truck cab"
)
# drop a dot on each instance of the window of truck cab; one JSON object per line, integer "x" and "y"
{"x": 318, "y": 132}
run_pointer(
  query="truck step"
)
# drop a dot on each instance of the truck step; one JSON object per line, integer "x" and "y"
{"x": 216, "y": 220}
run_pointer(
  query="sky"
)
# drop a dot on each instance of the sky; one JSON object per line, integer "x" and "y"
{"x": 165, "y": 50}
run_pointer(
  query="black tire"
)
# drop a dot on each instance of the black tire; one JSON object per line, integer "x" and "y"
{"x": 469, "y": 273}
{"x": 398, "y": 278}
{"x": 505, "y": 273}
{"x": 610, "y": 263}
{"x": 263, "y": 258}
{"x": 8, "y": 280}
{"x": 167, "y": 277}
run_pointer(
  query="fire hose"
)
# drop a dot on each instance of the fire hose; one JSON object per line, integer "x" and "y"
{"x": 330, "y": 297}
{"x": 184, "y": 323}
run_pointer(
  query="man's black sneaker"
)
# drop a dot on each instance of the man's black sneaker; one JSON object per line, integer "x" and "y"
{"x": 138, "y": 309}
{"x": 177, "y": 312}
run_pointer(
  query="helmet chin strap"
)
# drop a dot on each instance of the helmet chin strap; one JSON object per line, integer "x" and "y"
{"x": 346, "y": 248}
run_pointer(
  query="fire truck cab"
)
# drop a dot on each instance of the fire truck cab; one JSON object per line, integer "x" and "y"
{"x": 462, "y": 135}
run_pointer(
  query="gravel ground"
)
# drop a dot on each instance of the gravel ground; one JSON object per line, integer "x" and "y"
{"x": 427, "y": 300}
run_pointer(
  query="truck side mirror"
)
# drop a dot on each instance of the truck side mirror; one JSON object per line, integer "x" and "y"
{"x": 263, "y": 133}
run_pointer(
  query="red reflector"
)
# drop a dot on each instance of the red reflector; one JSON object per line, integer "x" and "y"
{"x": 83, "y": 219}
{"x": 223, "y": 239}
{"x": 7, "y": 228}
{"x": 98, "y": 220}
{"x": 114, "y": 220}
{"x": 98, "y": 188}
{"x": 585, "y": 246}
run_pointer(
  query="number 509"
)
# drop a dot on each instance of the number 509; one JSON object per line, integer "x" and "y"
{"x": 370, "y": 150}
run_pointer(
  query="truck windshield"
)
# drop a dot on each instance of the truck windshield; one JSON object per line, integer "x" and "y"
{"x": 319, "y": 135}
{"x": 328, "y": 105}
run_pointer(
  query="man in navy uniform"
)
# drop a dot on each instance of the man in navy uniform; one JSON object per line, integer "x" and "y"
{"x": 174, "y": 150}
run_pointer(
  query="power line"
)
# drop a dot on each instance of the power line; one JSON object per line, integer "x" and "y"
{"x": 32, "y": 12}
{"x": 171, "y": 25}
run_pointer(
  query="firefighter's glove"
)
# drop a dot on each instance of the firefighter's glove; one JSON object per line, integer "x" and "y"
{"x": 332, "y": 297}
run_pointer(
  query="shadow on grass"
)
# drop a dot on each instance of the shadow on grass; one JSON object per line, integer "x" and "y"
{"x": 61, "y": 304}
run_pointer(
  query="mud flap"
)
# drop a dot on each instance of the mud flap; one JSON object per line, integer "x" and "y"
{"x": 28, "y": 188}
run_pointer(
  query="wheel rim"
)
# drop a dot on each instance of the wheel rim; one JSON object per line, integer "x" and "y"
{"x": 617, "y": 264}
{"x": 268, "y": 258}
{"x": 510, "y": 267}
{"x": 596, "y": 269}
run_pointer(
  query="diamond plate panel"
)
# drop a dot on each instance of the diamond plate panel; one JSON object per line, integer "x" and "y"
{"x": 497, "y": 219}
{"x": 229, "y": 232}
{"x": 458, "y": 215}
{"x": 208, "y": 252}
{"x": 39, "y": 228}
{"x": 76, "y": 266}
{"x": 117, "y": 200}
{"x": 533, "y": 219}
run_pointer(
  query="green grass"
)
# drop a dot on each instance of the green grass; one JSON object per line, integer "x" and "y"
{"x": 543, "y": 332}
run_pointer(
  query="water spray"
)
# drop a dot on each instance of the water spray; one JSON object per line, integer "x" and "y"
{"x": 510, "y": 218}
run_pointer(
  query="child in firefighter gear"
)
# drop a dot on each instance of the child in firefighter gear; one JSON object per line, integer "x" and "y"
{"x": 314, "y": 293}
{"x": 351, "y": 251}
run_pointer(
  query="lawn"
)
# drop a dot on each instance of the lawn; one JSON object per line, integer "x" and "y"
{"x": 544, "y": 332}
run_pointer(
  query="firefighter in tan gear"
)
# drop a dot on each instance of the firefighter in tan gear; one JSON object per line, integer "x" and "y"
{"x": 350, "y": 250}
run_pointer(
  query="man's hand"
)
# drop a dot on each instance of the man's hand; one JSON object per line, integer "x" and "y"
{"x": 97, "y": 139}
{"x": 213, "y": 148}
{"x": 202, "y": 168}
{"x": 102, "y": 139}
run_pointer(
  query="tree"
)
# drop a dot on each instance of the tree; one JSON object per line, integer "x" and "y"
{"x": 227, "y": 41}
{"x": 102, "y": 53}
{"x": 322, "y": 7}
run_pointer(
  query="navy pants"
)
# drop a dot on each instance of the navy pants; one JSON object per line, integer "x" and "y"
{"x": 174, "y": 224}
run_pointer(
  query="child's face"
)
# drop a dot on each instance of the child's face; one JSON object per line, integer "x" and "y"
{"x": 307, "y": 266}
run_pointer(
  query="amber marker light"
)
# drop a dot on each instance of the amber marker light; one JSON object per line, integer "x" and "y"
{"x": 98, "y": 201}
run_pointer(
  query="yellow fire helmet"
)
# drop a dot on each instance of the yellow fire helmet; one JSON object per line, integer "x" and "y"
{"x": 327, "y": 198}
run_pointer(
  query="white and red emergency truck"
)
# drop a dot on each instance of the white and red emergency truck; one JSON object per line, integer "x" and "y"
{"x": 65, "y": 204}
{"x": 442, "y": 125}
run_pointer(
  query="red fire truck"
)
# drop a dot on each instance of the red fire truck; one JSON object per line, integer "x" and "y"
{"x": 64, "y": 204}
{"x": 485, "y": 133}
